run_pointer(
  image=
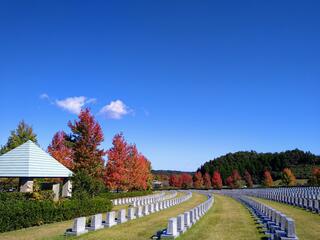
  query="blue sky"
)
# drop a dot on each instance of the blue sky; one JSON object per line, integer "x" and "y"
{"x": 185, "y": 80}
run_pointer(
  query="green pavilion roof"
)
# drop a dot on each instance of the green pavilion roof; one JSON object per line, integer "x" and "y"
{"x": 29, "y": 160}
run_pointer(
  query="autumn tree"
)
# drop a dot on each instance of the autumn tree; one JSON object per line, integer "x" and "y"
{"x": 268, "y": 181}
{"x": 315, "y": 177}
{"x": 61, "y": 149}
{"x": 138, "y": 168}
{"x": 115, "y": 174}
{"x": 127, "y": 169}
{"x": 186, "y": 180}
{"x": 20, "y": 135}
{"x": 248, "y": 179}
{"x": 216, "y": 180}
{"x": 207, "y": 180}
{"x": 229, "y": 182}
{"x": 288, "y": 177}
{"x": 198, "y": 180}
{"x": 175, "y": 181}
{"x": 87, "y": 137}
{"x": 236, "y": 178}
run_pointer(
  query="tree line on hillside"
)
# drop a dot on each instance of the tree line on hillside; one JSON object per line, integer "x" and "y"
{"x": 81, "y": 152}
{"x": 258, "y": 163}
{"x": 235, "y": 180}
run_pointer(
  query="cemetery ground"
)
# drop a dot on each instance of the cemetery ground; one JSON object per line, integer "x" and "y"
{"x": 227, "y": 219}
{"x": 142, "y": 228}
{"x": 307, "y": 223}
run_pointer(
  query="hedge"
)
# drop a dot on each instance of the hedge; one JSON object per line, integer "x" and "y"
{"x": 17, "y": 212}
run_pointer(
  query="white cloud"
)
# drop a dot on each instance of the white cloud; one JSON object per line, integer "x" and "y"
{"x": 74, "y": 104}
{"x": 115, "y": 110}
{"x": 44, "y": 96}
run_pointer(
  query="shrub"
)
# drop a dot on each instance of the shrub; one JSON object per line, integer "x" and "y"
{"x": 85, "y": 186}
{"x": 40, "y": 195}
{"x": 16, "y": 212}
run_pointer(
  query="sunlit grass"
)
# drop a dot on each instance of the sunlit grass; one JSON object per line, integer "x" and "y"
{"x": 227, "y": 220}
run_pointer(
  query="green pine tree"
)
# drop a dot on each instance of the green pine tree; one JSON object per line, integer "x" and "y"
{"x": 22, "y": 134}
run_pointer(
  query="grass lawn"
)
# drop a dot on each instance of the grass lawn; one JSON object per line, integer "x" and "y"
{"x": 307, "y": 223}
{"x": 56, "y": 230}
{"x": 145, "y": 227}
{"x": 227, "y": 219}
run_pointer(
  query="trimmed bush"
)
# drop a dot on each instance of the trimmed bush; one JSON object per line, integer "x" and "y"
{"x": 17, "y": 213}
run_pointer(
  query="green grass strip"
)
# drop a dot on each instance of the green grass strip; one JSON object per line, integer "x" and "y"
{"x": 226, "y": 220}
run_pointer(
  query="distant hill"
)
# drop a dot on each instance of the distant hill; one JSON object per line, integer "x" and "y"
{"x": 168, "y": 172}
{"x": 255, "y": 163}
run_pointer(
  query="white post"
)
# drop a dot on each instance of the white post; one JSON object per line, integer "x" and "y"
{"x": 67, "y": 189}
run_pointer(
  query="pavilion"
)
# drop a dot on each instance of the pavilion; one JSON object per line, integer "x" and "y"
{"x": 29, "y": 161}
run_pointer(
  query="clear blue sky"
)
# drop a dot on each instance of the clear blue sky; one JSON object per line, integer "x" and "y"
{"x": 194, "y": 79}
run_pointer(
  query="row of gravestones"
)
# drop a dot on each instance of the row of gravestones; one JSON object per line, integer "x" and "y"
{"x": 80, "y": 225}
{"x": 303, "y": 199}
{"x": 178, "y": 225}
{"x": 144, "y": 199}
{"x": 303, "y": 192}
{"x": 143, "y": 202}
{"x": 275, "y": 224}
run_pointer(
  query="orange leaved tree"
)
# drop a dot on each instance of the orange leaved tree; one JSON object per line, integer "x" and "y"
{"x": 315, "y": 177}
{"x": 288, "y": 177}
{"x": 127, "y": 169}
{"x": 61, "y": 150}
{"x": 216, "y": 180}
{"x": 86, "y": 138}
{"x": 116, "y": 172}
{"x": 268, "y": 181}
{"x": 207, "y": 180}
{"x": 248, "y": 179}
{"x": 186, "y": 180}
{"x": 197, "y": 180}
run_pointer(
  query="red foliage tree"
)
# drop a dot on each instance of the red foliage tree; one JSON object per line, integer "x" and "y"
{"x": 127, "y": 169}
{"x": 87, "y": 137}
{"x": 186, "y": 180}
{"x": 207, "y": 180}
{"x": 268, "y": 181}
{"x": 139, "y": 170}
{"x": 216, "y": 180}
{"x": 229, "y": 182}
{"x": 116, "y": 172}
{"x": 248, "y": 179}
{"x": 236, "y": 178}
{"x": 60, "y": 149}
{"x": 175, "y": 181}
{"x": 315, "y": 176}
{"x": 198, "y": 180}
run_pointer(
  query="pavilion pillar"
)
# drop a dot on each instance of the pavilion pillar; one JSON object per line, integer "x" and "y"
{"x": 26, "y": 184}
{"x": 56, "y": 191}
{"x": 66, "y": 188}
